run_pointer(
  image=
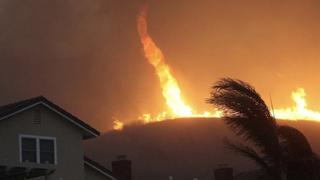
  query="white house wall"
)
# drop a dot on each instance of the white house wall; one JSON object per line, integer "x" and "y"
{"x": 68, "y": 138}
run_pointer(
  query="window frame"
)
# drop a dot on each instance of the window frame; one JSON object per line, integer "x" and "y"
{"x": 38, "y": 138}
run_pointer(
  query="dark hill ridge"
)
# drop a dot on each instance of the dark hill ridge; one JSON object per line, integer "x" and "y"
{"x": 183, "y": 148}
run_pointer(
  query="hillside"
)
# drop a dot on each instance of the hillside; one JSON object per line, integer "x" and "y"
{"x": 184, "y": 148}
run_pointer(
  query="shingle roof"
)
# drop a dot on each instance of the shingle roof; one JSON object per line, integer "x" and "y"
{"x": 13, "y": 108}
{"x": 99, "y": 167}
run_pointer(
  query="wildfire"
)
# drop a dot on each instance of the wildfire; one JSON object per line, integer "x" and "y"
{"x": 300, "y": 111}
{"x": 172, "y": 92}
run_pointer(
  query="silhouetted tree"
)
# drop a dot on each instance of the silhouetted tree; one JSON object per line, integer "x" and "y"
{"x": 271, "y": 146}
{"x": 301, "y": 162}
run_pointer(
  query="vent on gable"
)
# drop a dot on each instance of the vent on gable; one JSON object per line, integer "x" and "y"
{"x": 36, "y": 116}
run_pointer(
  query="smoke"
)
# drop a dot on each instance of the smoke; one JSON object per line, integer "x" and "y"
{"x": 83, "y": 55}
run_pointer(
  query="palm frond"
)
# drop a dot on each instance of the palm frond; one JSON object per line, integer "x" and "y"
{"x": 246, "y": 114}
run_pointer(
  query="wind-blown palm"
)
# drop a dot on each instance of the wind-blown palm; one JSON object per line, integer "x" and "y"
{"x": 249, "y": 117}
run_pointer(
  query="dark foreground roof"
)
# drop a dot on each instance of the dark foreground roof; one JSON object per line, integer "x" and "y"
{"x": 98, "y": 167}
{"x": 14, "y": 108}
{"x": 17, "y": 172}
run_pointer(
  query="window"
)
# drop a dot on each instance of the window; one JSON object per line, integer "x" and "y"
{"x": 37, "y": 149}
{"x": 46, "y": 151}
{"x": 29, "y": 149}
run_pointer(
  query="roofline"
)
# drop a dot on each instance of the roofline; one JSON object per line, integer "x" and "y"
{"x": 95, "y": 134}
{"x": 98, "y": 169}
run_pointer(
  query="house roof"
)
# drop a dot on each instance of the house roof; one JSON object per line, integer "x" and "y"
{"x": 98, "y": 167}
{"x": 18, "y": 172}
{"x": 9, "y": 110}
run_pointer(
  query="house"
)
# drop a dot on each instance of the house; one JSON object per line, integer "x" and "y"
{"x": 42, "y": 141}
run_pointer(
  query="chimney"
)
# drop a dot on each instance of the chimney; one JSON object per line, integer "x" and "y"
{"x": 121, "y": 168}
{"x": 223, "y": 173}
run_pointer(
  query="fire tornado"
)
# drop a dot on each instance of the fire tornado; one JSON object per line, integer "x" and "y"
{"x": 169, "y": 85}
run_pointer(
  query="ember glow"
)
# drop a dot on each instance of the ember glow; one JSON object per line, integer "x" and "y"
{"x": 117, "y": 124}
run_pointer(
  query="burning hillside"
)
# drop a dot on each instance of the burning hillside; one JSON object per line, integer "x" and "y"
{"x": 176, "y": 103}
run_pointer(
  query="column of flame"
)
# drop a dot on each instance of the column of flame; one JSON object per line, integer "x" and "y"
{"x": 169, "y": 85}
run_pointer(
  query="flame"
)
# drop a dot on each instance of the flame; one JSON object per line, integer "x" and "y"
{"x": 300, "y": 111}
{"x": 117, "y": 124}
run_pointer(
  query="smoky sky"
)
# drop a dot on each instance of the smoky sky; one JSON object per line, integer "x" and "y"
{"x": 86, "y": 55}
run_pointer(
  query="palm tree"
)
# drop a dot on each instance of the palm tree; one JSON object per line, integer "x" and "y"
{"x": 269, "y": 145}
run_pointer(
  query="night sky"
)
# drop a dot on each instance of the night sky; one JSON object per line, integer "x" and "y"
{"x": 85, "y": 55}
